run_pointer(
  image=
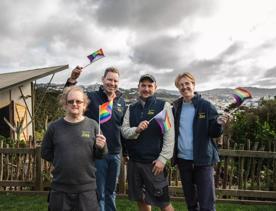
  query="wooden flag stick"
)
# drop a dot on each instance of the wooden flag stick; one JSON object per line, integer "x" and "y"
{"x": 99, "y": 121}
{"x": 92, "y": 62}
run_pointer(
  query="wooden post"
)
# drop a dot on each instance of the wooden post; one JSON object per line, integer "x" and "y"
{"x": 274, "y": 168}
{"x": 1, "y": 162}
{"x": 169, "y": 171}
{"x": 259, "y": 167}
{"x": 122, "y": 178}
{"x": 38, "y": 174}
{"x": 7, "y": 164}
{"x": 226, "y": 159}
{"x": 30, "y": 160}
{"x": 253, "y": 177}
{"x": 177, "y": 176}
{"x": 232, "y": 167}
{"x": 241, "y": 168}
{"x": 248, "y": 164}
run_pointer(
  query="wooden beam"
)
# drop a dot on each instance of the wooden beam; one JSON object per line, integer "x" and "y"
{"x": 17, "y": 150}
{"x": 247, "y": 153}
{"x": 15, "y": 183}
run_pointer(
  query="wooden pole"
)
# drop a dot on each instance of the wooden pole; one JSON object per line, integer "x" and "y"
{"x": 38, "y": 175}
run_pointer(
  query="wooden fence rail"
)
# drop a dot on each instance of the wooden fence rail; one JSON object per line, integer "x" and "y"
{"x": 242, "y": 174}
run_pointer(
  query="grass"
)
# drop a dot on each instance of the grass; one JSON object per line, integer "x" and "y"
{"x": 13, "y": 202}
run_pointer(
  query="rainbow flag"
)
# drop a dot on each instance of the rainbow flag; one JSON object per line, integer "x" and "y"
{"x": 96, "y": 55}
{"x": 241, "y": 94}
{"x": 163, "y": 120}
{"x": 105, "y": 112}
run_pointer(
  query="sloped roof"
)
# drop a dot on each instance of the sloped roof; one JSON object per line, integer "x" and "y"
{"x": 8, "y": 80}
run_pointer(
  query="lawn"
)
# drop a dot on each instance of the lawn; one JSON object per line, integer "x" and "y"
{"x": 38, "y": 203}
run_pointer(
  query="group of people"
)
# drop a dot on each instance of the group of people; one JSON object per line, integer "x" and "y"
{"x": 87, "y": 160}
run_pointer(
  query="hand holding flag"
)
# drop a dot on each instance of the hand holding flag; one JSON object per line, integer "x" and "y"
{"x": 142, "y": 126}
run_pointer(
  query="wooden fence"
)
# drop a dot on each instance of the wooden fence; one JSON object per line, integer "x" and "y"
{"x": 244, "y": 173}
{"x": 20, "y": 168}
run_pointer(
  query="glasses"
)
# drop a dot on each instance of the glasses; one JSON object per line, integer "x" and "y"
{"x": 71, "y": 102}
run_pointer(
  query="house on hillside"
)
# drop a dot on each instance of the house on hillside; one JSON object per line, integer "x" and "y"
{"x": 17, "y": 100}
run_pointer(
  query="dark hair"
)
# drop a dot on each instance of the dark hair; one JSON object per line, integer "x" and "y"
{"x": 112, "y": 70}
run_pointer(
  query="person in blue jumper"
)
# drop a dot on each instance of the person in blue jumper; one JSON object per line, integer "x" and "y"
{"x": 108, "y": 168}
{"x": 148, "y": 148}
{"x": 196, "y": 124}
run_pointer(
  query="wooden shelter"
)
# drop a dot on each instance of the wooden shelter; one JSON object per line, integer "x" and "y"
{"x": 17, "y": 100}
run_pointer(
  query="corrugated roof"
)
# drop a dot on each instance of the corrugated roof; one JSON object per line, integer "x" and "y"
{"x": 8, "y": 80}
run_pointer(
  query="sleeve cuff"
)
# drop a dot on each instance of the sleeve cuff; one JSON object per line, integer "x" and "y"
{"x": 162, "y": 159}
{"x": 69, "y": 83}
{"x": 135, "y": 135}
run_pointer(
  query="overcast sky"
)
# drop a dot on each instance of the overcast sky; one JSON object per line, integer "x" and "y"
{"x": 224, "y": 43}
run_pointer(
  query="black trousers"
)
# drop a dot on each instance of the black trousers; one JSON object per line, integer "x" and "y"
{"x": 198, "y": 185}
{"x": 84, "y": 201}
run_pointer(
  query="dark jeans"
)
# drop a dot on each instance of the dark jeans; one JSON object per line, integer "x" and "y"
{"x": 108, "y": 170}
{"x": 198, "y": 185}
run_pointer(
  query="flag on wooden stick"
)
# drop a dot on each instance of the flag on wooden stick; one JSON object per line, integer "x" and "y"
{"x": 163, "y": 120}
{"x": 105, "y": 112}
{"x": 96, "y": 55}
{"x": 241, "y": 94}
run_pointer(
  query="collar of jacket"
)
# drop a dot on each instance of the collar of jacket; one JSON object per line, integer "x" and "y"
{"x": 148, "y": 101}
{"x": 103, "y": 94}
{"x": 195, "y": 99}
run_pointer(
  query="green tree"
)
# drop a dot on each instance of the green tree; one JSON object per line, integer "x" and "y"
{"x": 47, "y": 109}
{"x": 255, "y": 124}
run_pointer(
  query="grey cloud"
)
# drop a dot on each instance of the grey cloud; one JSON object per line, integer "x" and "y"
{"x": 269, "y": 83}
{"x": 91, "y": 78}
{"x": 67, "y": 30}
{"x": 35, "y": 40}
{"x": 161, "y": 52}
{"x": 267, "y": 44}
{"x": 206, "y": 70}
{"x": 259, "y": 50}
{"x": 271, "y": 73}
{"x": 4, "y": 19}
{"x": 73, "y": 34}
{"x": 154, "y": 14}
{"x": 15, "y": 16}
{"x": 203, "y": 71}
{"x": 231, "y": 50}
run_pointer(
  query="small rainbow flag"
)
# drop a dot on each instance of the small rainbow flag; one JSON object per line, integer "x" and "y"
{"x": 96, "y": 55}
{"x": 241, "y": 94}
{"x": 163, "y": 120}
{"x": 105, "y": 112}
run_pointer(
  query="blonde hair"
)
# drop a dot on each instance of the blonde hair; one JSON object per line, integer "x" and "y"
{"x": 67, "y": 90}
{"x": 186, "y": 75}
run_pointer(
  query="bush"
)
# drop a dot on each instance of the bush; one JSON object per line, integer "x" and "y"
{"x": 255, "y": 124}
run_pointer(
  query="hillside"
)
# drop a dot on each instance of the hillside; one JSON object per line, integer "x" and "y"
{"x": 214, "y": 95}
